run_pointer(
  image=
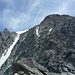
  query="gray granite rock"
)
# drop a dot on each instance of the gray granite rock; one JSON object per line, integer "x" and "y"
{"x": 6, "y": 39}
{"x": 51, "y": 44}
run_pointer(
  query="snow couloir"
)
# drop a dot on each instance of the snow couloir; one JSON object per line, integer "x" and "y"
{"x": 7, "y": 53}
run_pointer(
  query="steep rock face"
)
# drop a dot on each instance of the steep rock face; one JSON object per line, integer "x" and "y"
{"x": 51, "y": 44}
{"x": 6, "y": 39}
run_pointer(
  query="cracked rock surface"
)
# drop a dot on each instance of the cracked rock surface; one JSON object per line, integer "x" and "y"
{"x": 51, "y": 44}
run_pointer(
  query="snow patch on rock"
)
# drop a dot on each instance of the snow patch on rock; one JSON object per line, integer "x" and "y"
{"x": 20, "y": 32}
{"x": 50, "y": 30}
{"x": 7, "y": 52}
{"x": 37, "y": 31}
{"x": 5, "y": 55}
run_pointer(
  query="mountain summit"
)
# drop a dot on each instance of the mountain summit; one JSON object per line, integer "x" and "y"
{"x": 46, "y": 49}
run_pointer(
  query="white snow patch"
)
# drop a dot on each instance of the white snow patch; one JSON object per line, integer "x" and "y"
{"x": 15, "y": 74}
{"x": 5, "y": 55}
{"x": 20, "y": 32}
{"x": 9, "y": 66}
{"x": 37, "y": 31}
{"x": 50, "y": 30}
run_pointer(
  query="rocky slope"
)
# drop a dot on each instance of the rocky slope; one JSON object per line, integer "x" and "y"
{"x": 51, "y": 44}
{"x": 27, "y": 66}
{"x": 6, "y": 39}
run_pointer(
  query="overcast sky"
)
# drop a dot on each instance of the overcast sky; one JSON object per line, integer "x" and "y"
{"x": 18, "y": 15}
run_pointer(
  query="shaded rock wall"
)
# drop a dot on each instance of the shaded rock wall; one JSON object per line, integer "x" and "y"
{"x": 51, "y": 44}
{"x": 6, "y": 39}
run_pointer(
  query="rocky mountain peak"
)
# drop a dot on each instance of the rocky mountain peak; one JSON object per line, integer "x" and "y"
{"x": 55, "y": 19}
{"x": 6, "y": 31}
{"x": 50, "y": 44}
{"x": 59, "y": 16}
{"x": 6, "y": 39}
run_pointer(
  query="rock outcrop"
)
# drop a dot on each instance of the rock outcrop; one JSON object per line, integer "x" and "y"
{"x": 27, "y": 66}
{"x": 51, "y": 44}
{"x": 6, "y": 39}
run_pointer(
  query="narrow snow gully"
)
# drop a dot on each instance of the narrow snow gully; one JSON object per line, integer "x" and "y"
{"x": 50, "y": 30}
{"x": 5, "y": 56}
{"x": 37, "y": 31}
{"x": 7, "y": 53}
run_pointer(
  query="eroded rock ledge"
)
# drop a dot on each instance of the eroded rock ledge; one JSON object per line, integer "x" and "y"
{"x": 27, "y": 66}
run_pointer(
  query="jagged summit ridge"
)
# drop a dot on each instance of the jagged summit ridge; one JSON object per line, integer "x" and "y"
{"x": 7, "y": 51}
{"x": 51, "y": 44}
{"x": 59, "y": 16}
{"x": 56, "y": 19}
{"x": 6, "y": 31}
{"x": 6, "y": 39}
